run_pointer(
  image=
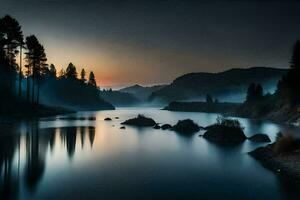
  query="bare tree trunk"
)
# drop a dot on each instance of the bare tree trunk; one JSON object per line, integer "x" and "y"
{"x": 28, "y": 88}
{"x": 33, "y": 77}
{"x": 20, "y": 73}
{"x": 38, "y": 92}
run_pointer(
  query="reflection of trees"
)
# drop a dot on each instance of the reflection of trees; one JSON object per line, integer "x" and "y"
{"x": 82, "y": 136}
{"x": 37, "y": 143}
{"x": 36, "y": 149}
{"x": 91, "y": 135}
{"x": 68, "y": 136}
{"x": 8, "y": 180}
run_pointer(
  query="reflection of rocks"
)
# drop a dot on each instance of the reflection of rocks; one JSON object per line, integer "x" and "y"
{"x": 260, "y": 138}
{"x": 186, "y": 126}
{"x": 224, "y": 134}
{"x": 166, "y": 126}
{"x": 140, "y": 121}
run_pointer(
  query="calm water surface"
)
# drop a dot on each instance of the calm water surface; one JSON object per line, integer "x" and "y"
{"x": 59, "y": 158}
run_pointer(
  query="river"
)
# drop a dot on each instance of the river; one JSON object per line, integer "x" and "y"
{"x": 64, "y": 158}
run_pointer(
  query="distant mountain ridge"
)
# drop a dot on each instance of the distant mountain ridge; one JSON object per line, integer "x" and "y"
{"x": 234, "y": 81}
{"x": 119, "y": 99}
{"x": 141, "y": 92}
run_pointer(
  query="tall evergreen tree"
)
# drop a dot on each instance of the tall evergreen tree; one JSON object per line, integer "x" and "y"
{"x": 52, "y": 71}
{"x": 12, "y": 38}
{"x": 209, "y": 99}
{"x": 254, "y": 93}
{"x": 289, "y": 86}
{"x": 92, "y": 80}
{"x": 259, "y": 91}
{"x": 250, "y": 92}
{"x": 295, "y": 60}
{"x": 36, "y": 61}
{"x": 71, "y": 72}
{"x": 82, "y": 76}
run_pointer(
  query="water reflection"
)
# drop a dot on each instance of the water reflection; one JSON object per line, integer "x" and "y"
{"x": 8, "y": 179}
{"x": 82, "y": 159}
{"x": 34, "y": 145}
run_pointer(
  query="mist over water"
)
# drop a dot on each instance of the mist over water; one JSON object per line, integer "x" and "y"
{"x": 76, "y": 157}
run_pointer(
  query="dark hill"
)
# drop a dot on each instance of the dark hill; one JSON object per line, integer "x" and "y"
{"x": 194, "y": 86}
{"x": 119, "y": 99}
{"x": 140, "y": 92}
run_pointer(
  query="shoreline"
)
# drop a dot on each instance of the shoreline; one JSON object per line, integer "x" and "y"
{"x": 231, "y": 109}
{"x": 285, "y": 166}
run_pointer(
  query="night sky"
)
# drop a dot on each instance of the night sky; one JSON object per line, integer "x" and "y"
{"x": 149, "y": 42}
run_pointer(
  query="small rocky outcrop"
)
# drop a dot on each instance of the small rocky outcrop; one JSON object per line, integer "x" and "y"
{"x": 140, "y": 121}
{"x": 225, "y": 134}
{"x": 166, "y": 127}
{"x": 186, "y": 126}
{"x": 156, "y": 126}
{"x": 107, "y": 119}
{"x": 122, "y": 127}
{"x": 260, "y": 138}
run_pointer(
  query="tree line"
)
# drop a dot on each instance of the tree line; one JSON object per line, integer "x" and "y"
{"x": 36, "y": 71}
{"x": 288, "y": 88}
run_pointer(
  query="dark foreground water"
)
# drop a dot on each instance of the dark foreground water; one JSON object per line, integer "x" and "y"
{"x": 85, "y": 159}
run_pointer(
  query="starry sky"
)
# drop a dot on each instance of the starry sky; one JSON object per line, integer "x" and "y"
{"x": 148, "y": 42}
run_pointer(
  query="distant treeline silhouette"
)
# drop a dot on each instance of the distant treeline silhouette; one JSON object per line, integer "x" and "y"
{"x": 284, "y": 104}
{"x": 37, "y": 79}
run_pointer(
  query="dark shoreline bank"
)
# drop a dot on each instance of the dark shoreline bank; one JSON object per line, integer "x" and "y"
{"x": 226, "y": 108}
{"x": 35, "y": 111}
{"x": 286, "y": 166}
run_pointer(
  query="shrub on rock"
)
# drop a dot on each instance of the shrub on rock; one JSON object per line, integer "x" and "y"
{"x": 140, "y": 121}
{"x": 186, "y": 126}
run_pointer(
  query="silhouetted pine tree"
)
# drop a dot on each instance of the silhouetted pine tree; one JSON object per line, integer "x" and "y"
{"x": 82, "y": 76}
{"x": 52, "y": 71}
{"x": 12, "y": 38}
{"x": 289, "y": 86}
{"x": 254, "y": 93}
{"x": 36, "y": 63}
{"x": 209, "y": 99}
{"x": 71, "y": 72}
{"x": 92, "y": 80}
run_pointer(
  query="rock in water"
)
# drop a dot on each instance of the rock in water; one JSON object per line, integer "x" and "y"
{"x": 186, "y": 126}
{"x": 225, "y": 134}
{"x": 140, "y": 121}
{"x": 156, "y": 126}
{"x": 260, "y": 138}
{"x": 107, "y": 119}
{"x": 166, "y": 126}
